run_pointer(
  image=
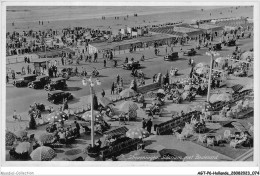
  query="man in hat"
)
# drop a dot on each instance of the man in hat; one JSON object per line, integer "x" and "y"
{"x": 149, "y": 125}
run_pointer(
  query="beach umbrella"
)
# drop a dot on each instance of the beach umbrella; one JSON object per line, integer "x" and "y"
{"x": 220, "y": 60}
{"x": 96, "y": 114}
{"x": 57, "y": 116}
{"x": 21, "y": 134}
{"x": 127, "y": 106}
{"x": 43, "y": 153}
{"x": 127, "y": 93}
{"x": 247, "y": 54}
{"x": 202, "y": 70}
{"x": 23, "y": 147}
{"x": 224, "y": 97}
{"x": 202, "y": 64}
{"x": 187, "y": 87}
{"x": 220, "y": 97}
{"x": 161, "y": 91}
{"x": 137, "y": 133}
{"x": 185, "y": 95}
{"x": 9, "y": 138}
{"x": 104, "y": 101}
{"x": 151, "y": 95}
{"x": 46, "y": 138}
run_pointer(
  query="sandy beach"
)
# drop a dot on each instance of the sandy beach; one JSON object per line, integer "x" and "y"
{"x": 59, "y": 18}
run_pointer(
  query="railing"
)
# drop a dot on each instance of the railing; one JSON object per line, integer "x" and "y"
{"x": 117, "y": 149}
{"x": 166, "y": 127}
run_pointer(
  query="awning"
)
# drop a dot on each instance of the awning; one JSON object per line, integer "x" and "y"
{"x": 237, "y": 87}
{"x": 117, "y": 131}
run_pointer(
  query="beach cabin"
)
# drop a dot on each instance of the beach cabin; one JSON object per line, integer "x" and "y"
{"x": 41, "y": 65}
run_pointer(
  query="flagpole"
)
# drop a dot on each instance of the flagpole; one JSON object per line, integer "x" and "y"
{"x": 91, "y": 86}
{"x": 210, "y": 73}
{"x": 92, "y": 117}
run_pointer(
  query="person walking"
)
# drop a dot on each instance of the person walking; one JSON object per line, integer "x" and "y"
{"x": 149, "y": 125}
{"x": 113, "y": 88}
{"x": 166, "y": 50}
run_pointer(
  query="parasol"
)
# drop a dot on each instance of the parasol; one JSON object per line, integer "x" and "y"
{"x": 128, "y": 93}
{"x": 161, "y": 91}
{"x": 247, "y": 54}
{"x": 97, "y": 115}
{"x": 187, "y": 87}
{"x": 185, "y": 95}
{"x": 220, "y": 97}
{"x": 202, "y": 64}
{"x": 9, "y": 138}
{"x": 201, "y": 70}
{"x": 137, "y": 133}
{"x": 23, "y": 147}
{"x": 21, "y": 134}
{"x": 104, "y": 101}
{"x": 43, "y": 153}
{"x": 127, "y": 106}
{"x": 220, "y": 60}
{"x": 57, "y": 116}
{"x": 46, "y": 138}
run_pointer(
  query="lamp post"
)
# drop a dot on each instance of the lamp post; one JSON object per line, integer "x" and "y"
{"x": 91, "y": 84}
{"x": 211, "y": 54}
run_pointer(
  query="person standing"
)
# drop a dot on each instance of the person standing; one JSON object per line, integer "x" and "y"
{"x": 113, "y": 88}
{"x": 149, "y": 125}
{"x": 28, "y": 69}
{"x": 103, "y": 93}
{"x": 62, "y": 61}
{"x": 77, "y": 128}
{"x": 121, "y": 82}
{"x": 166, "y": 50}
{"x": 143, "y": 123}
{"x": 7, "y": 78}
{"x": 105, "y": 63}
{"x": 117, "y": 79}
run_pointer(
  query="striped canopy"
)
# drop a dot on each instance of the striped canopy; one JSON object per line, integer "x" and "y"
{"x": 137, "y": 133}
{"x": 43, "y": 153}
{"x": 127, "y": 106}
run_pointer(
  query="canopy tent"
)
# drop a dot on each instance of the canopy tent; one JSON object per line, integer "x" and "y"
{"x": 43, "y": 153}
{"x": 117, "y": 131}
{"x": 104, "y": 101}
{"x": 127, "y": 93}
{"x": 220, "y": 97}
{"x": 55, "y": 53}
{"x": 127, "y": 106}
{"x": 137, "y": 133}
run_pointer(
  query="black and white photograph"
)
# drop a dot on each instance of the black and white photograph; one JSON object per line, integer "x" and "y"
{"x": 129, "y": 83}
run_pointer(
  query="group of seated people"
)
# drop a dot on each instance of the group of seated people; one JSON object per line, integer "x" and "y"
{"x": 241, "y": 138}
{"x": 139, "y": 98}
{"x": 63, "y": 135}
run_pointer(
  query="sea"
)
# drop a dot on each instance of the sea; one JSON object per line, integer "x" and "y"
{"x": 23, "y": 14}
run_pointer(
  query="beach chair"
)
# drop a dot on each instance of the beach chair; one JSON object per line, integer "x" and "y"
{"x": 227, "y": 134}
{"x": 210, "y": 142}
{"x": 179, "y": 136}
{"x": 202, "y": 138}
